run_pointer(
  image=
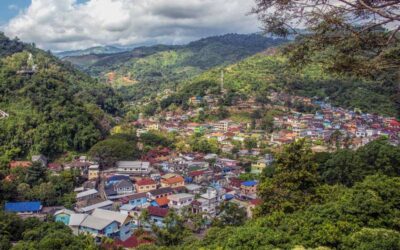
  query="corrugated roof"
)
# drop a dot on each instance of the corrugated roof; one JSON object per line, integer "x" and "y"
{"x": 97, "y": 205}
{"x": 96, "y": 222}
{"x": 86, "y": 193}
{"x": 76, "y": 219}
{"x": 157, "y": 211}
{"x": 110, "y": 215}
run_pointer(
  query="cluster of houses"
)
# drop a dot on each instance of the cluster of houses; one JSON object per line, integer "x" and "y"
{"x": 356, "y": 128}
{"x": 111, "y": 202}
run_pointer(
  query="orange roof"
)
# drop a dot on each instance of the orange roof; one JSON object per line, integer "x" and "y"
{"x": 173, "y": 180}
{"x": 163, "y": 201}
{"x": 23, "y": 164}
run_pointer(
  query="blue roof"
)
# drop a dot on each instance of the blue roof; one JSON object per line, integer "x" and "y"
{"x": 19, "y": 207}
{"x": 229, "y": 196}
{"x": 117, "y": 178}
{"x": 249, "y": 183}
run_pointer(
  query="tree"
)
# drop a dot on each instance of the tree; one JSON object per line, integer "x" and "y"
{"x": 230, "y": 214}
{"x": 36, "y": 174}
{"x": 109, "y": 151}
{"x": 174, "y": 231}
{"x": 346, "y": 36}
{"x": 250, "y": 143}
{"x": 279, "y": 16}
{"x": 293, "y": 183}
{"x": 371, "y": 238}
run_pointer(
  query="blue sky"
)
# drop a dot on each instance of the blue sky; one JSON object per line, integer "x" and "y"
{"x": 10, "y": 8}
{"x": 77, "y": 24}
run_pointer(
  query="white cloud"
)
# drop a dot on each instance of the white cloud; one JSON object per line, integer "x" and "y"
{"x": 65, "y": 24}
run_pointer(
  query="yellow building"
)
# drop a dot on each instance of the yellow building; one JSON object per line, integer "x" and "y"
{"x": 94, "y": 172}
{"x": 172, "y": 181}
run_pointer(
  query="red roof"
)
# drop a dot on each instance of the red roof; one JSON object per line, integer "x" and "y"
{"x": 157, "y": 211}
{"x": 144, "y": 182}
{"x": 394, "y": 123}
{"x": 54, "y": 166}
{"x": 196, "y": 173}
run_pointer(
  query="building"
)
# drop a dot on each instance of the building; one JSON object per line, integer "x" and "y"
{"x": 124, "y": 221}
{"x": 222, "y": 125}
{"x": 99, "y": 227}
{"x": 137, "y": 200}
{"x": 134, "y": 167}
{"x": 64, "y": 216}
{"x": 87, "y": 195}
{"x": 172, "y": 181}
{"x": 25, "y": 207}
{"x": 161, "y": 192}
{"x": 179, "y": 201}
{"x": 124, "y": 187}
{"x": 157, "y": 215}
{"x": 249, "y": 188}
{"x": 93, "y": 173}
{"x": 145, "y": 185}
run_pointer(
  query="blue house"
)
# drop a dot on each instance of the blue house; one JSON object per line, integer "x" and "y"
{"x": 63, "y": 216}
{"x": 23, "y": 207}
{"x": 137, "y": 200}
{"x": 157, "y": 215}
{"x": 99, "y": 227}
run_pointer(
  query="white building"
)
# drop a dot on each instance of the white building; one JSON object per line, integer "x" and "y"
{"x": 178, "y": 201}
{"x": 134, "y": 167}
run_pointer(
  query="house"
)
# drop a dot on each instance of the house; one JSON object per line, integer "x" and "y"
{"x": 160, "y": 202}
{"x": 145, "y": 185}
{"x": 64, "y": 216}
{"x": 25, "y": 207}
{"x": 137, "y": 200}
{"x": 124, "y": 221}
{"x": 172, "y": 181}
{"x": 161, "y": 192}
{"x": 116, "y": 178}
{"x": 134, "y": 167}
{"x": 157, "y": 215}
{"x": 93, "y": 173}
{"x": 193, "y": 188}
{"x": 99, "y": 227}
{"x": 249, "y": 188}
{"x": 124, "y": 187}
{"x": 178, "y": 201}
{"x": 87, "y": 195}
{"x": 55, "y": 167}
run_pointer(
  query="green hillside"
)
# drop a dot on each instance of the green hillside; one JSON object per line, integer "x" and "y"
{"x": 52, "y": 108}
{"x": 145, "y": 71}
{"x": 259, "y": 74}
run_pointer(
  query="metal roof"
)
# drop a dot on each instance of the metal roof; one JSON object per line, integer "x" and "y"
{"x": 19, "y": 207}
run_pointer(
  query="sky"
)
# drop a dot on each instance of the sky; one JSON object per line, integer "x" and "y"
{"x": 61, "y": 25}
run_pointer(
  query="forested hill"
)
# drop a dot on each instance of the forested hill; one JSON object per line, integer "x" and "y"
{"x": 52, "y": 108}
{"x": 145, "y": 71}
{"x": 271, "y": 70}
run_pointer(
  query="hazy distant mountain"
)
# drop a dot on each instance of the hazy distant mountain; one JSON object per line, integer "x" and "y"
{"x": 93, "y": 50}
